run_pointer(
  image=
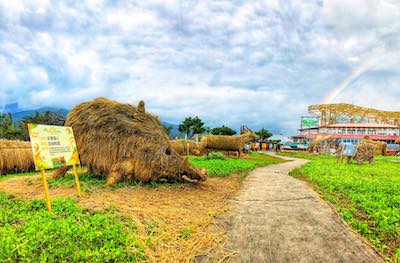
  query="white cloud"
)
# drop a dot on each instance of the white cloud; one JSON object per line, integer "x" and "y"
{"x": 231, "y": 62}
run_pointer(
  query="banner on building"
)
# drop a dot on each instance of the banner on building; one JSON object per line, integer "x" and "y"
{"x": 309, "y": 122}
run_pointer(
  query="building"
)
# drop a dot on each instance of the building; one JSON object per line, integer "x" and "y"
{"x": 350, "y": 124}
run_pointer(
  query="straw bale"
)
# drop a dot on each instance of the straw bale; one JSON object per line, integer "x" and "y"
{"x": 227, "y": 143}
{"x": 15, "y": 156}
{"x": 380, "y": 147}
{"x": 181, "y": 147}
{"x": 365, "y": 151}
{"x": 124, "y": 142}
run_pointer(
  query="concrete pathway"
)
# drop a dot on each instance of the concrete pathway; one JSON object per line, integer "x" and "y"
{"x": 278, "y": 218}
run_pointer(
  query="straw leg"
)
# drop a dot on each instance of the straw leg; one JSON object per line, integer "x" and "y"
{"x": 59, "y": 172}
{"x": 113, "y": 178}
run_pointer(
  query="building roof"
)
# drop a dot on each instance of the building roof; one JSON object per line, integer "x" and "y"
{"x": 362, "y": 125}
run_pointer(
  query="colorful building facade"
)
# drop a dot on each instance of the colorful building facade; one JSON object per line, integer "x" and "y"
{"x": 350, "y": 124}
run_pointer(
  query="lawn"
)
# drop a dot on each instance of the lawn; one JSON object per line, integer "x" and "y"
{"x": 220, "y": 168}
{"x": 29, "y": 233}
{"x": 367, "y": 196}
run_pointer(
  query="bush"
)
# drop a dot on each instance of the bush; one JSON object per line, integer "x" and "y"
{"x": 216, "y": 156}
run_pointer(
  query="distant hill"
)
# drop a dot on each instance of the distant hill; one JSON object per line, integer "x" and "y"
{"x": 17, "y": 116}
{"x": 20, "y": 115}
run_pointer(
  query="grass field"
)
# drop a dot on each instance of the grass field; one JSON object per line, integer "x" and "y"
{"x": 160, "y": 220}
{"x": 367, "y": 196}
{"x": 233, "y": 165}
{"x": 29, "y": 233}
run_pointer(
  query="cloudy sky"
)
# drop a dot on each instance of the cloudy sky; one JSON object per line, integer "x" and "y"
{"x": 235, "y": 62}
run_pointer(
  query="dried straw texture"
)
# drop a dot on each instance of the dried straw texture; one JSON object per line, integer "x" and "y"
{"x": 227, "y": 143}
{"x": 15, "y": 156}
{"x": 124, "y": 142}
{"x": 380, "y": 147}
{"x": 365, "y": 151}
{"x": 187, "y": 147}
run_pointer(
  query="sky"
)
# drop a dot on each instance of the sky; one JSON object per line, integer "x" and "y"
{"x": 258, "y": 63}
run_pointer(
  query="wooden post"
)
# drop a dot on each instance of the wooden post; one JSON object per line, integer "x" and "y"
{"x": 78, "y": 184}
{"x": 188, "y": 149}
{"x": 46, "y": 190}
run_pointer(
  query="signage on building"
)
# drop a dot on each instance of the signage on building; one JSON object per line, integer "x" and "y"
{"x": 309, "y": 122}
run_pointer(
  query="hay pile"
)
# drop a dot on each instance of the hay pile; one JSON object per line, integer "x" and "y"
{"x": 125, "y": 142}
{"x": 380, "y": 147}
{"x": 187, "y": 147}
{"x": 365, "y": 152}
{"x": 227, "y": 143}
{"x": 15, "y": 156}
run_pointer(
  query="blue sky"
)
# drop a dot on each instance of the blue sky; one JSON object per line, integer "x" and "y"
{"x": 258, "y": 63}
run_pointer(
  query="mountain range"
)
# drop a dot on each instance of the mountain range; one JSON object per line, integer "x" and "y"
{"x": 17, "y": 116}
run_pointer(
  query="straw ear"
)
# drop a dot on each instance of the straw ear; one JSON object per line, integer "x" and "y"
{"x": 141, "y": 106}
{"x": 140, "y": 111}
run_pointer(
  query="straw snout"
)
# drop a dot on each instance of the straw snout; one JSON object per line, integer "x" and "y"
{"x": 191, "y": 174}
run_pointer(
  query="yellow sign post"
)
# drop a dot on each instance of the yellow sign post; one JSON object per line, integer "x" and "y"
{"x": 53, "y": 147}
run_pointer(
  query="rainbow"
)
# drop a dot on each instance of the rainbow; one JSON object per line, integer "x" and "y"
{"x": 345, "y": 83}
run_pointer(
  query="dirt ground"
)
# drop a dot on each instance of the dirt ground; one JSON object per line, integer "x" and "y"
{"x": 277, "y": 218}
{"x": 175, "y": 224}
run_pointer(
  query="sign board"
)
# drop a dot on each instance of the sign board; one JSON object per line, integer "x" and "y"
{"x": 309, "y": 122}
{"x": 53, "y": 146}
{"x": 349, "y": 149}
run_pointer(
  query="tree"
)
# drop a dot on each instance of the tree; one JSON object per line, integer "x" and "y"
{"x": 223, "y": 130}
{"x": 12, "y": 130}
{"x": 47, "y": 118}
{"x": 263, "y": 134}
{"x": 191, "y": 126}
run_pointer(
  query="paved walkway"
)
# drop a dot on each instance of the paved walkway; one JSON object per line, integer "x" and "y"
{"x": 281, "y": 219}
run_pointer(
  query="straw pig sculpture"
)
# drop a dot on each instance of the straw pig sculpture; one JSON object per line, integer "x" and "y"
{"x": 182, "y": 147}
{"x": 125, "y": 142}
{"x": 227, "y": 143}
{"x": 15, "y": 156}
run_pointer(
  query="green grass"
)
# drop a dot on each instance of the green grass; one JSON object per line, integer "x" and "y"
{"x": 28, "y": 233}
{"x": 220, "y": 168}
{"x": 8, "y": 176}
{"x": 367, "y": 196}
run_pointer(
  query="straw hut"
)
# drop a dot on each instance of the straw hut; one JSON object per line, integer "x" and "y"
{"x": 124, "y": 142}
